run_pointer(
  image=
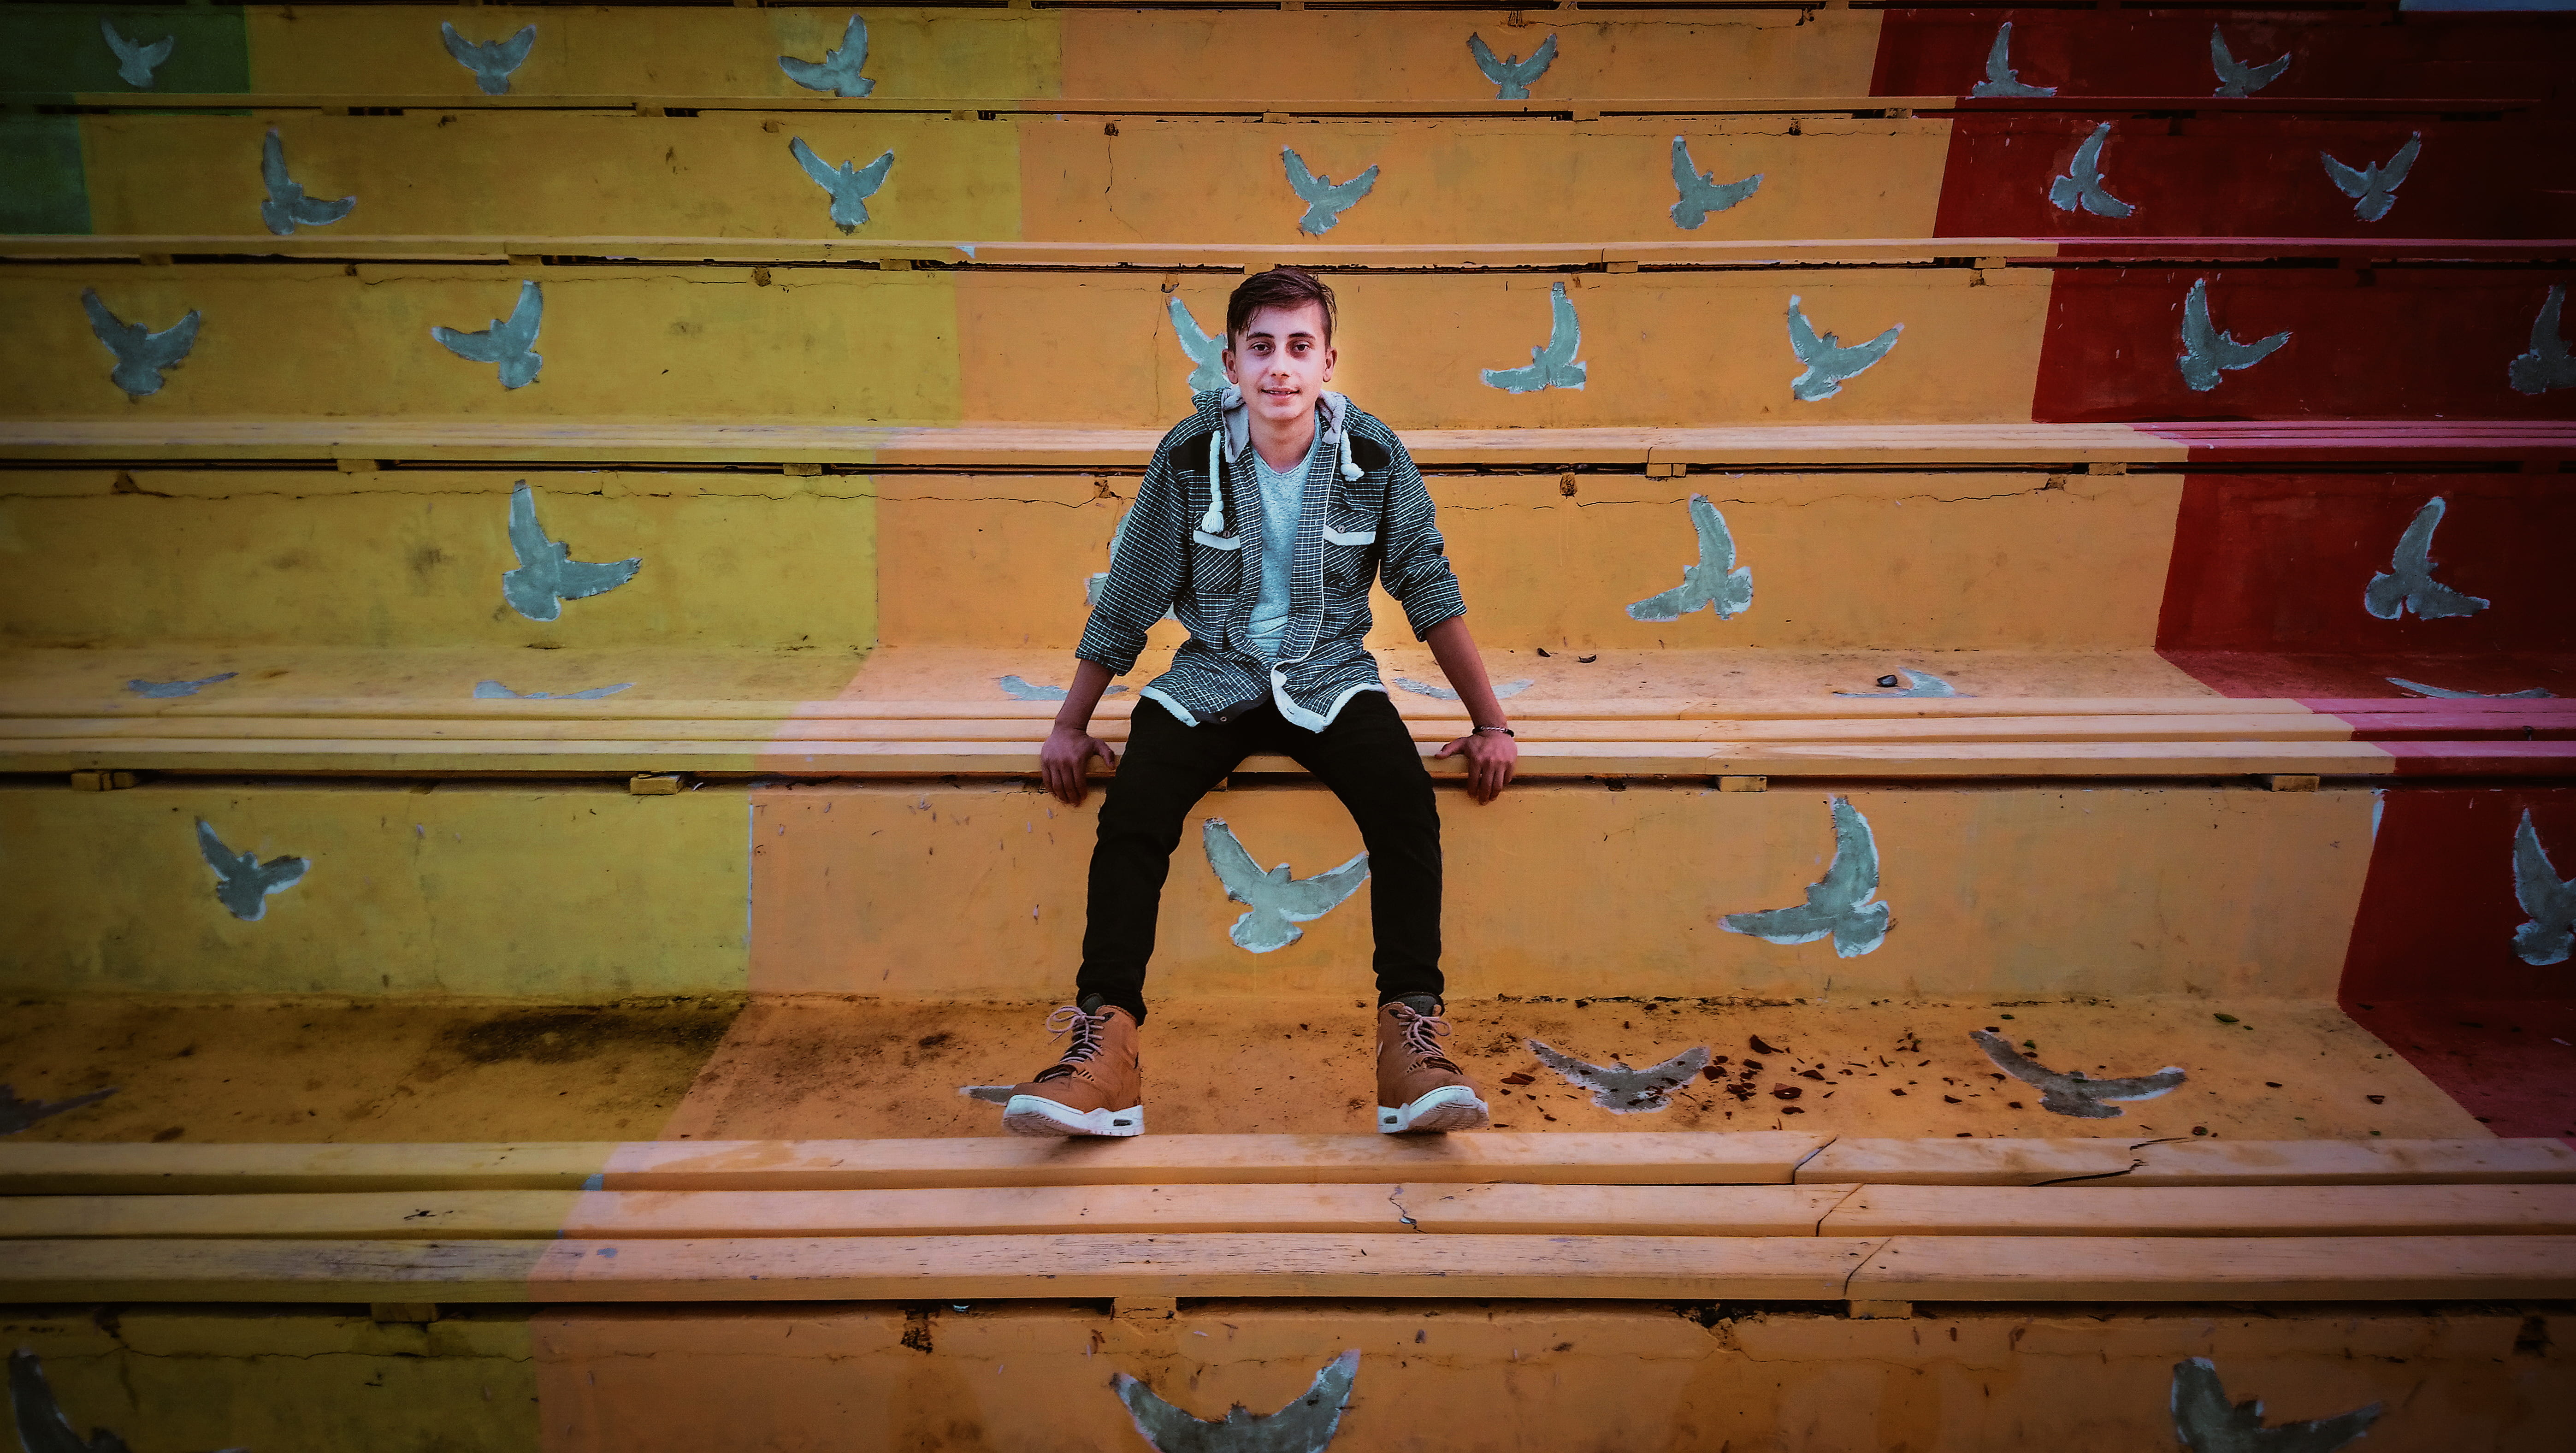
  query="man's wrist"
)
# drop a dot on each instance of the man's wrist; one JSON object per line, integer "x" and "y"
{"x": 1496, "y": 730}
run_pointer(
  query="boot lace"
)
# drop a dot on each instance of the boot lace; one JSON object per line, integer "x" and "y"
{"x": 1421, "y": 1032}
{"x": 1085, "y": 1029}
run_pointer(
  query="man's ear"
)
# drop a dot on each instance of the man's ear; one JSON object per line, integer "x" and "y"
{"x": 1331, "y": 355}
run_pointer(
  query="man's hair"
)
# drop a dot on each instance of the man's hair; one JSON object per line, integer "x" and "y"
{"x": 1281, "y": 287}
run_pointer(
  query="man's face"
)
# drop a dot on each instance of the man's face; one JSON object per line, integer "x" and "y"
{"x": 1280, "y": 361}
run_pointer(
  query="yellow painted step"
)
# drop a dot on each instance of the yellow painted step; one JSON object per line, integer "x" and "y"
{"x": 2110, "y": 1162}
{"x": 924, "y": 347}
{"x": 1285, "y": 1264}
{"x": 995, "y": 1210}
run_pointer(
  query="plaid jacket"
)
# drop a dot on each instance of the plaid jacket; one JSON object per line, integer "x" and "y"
{"x": 1353, "y": 531}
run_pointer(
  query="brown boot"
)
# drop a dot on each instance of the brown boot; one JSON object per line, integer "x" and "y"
{"x": 1419, "y": 1089}
{"x": 1097, "y": 1088}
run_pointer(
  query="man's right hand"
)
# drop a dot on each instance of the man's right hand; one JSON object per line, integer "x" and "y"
{"x": 1065, "y": 761}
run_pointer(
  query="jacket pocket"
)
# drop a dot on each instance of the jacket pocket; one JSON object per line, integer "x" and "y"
{"x": 1216, "y": 568}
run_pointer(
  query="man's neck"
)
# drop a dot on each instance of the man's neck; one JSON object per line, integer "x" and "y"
{"x": 1283, "y": 442}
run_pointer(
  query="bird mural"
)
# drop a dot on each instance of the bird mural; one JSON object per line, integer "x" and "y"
{"x": 1503, "y": 690}
{"x": 2235, "y": 77}
{"x": 2373, "y": 188}
{"x": 1715, "y": 583}
{"x": 136, "y": 63}
{"x": 511, "y": 343}
{"x": 1325, "y": 201}
{"x": 1205, "y": 352}
{"x": 17, "y": 1114}
{"x": 1278, "y": 902}
{"x": 2408, "y": 583}
{"x": 1552, "y": 366}
{"x": 1020, "y": 688}
{"x": 547, "y": 575}
{"x": 287, "y": 208}
{"x": 2071, "y": 1093}
{"x": 838, "y": 70}
{"x": 1701, "y": 192}
{"x": 2001, "y": 79}
{"x": 165, "y": 690}
{"x": 495, "y": 691}
{"x": 2550, "y": 901}
{"x": 2082, "y": 186}
{"x": 2445, "y": 693}
{"x": 1511, "y": 75}
{"x": 849, "y": 183}
{"x": 141, "y": 355}
{"x": 242, "y": 882}
{"x": 2208, "y": 351}
{"x": 1916, "y": 683}
{"x": 491, "y": 61}
{"x": 1839, "y": 904}
{"x": 1828, "y": 362}
{"x": 2206, "y": 1423}
{"x": 2548, "y": 365}
{"x": 1619, "y": 1089}
{"x": 1305, "y": 1425}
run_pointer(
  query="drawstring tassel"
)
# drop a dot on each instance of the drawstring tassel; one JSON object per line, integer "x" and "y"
{"x": 1214, "y": 521}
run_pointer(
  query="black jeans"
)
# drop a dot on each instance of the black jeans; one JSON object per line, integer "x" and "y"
{"x": 1366, "y": 756}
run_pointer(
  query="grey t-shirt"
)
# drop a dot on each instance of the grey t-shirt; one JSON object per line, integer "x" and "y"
{"x": 1283, "y": 504}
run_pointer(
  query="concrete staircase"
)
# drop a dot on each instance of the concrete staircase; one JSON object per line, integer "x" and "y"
{"x": 744, "y": 848}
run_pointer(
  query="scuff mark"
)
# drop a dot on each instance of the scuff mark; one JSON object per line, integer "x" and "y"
{"x": 1619, "y": 1089}
{"x": 2531, "y": 693}
{"x": 2001, "y": 79}
{"x": 1325, "y": 202}
{"x": 165, "y": 690}
{"x": 2235, "y": 77}
{"x": 1305, "y": 1425}
{"x": 2082, "y": 186}
{"x": 548, "y": 575}
{"x": 140, "y": 355}
{"x": 1020, "y": 689}
{"x": 2208, "y": 351}
{"x": 136, "y": 63}
{"x": 1206, "y": 354}
{"x": 1716, "y": 582}
{"x": 1838, "y": 904}
{"x": 242, "y": 882}
{"x": 2071, "y": 1093}
{"x": 838, "y": 71}
{"x": 1278, "y": 901}
{"x": 849, "y": 184}
{"x": 2548, "y": 364}
{"x": 495, "y": 691}
{"x": 287, "y": 207}
{"x": 2408, "y": 583}
{"x": 2550, "y": 901}
{"x": 2374, "y": 188}
{"x": 1505, "y": 692}
{"x": 491, "y": 61}
{"x": 17, "y": 1114}
{"x": 2205, "y": 1422}
{"x": 1917, "y": 683}
{"x": 1511, "y": 75}
{"x": 1552, "y": 366}
{"x": 1701, "y": 192}
{"x": 511, "y": 344}
{"x": 1828, "y": 362}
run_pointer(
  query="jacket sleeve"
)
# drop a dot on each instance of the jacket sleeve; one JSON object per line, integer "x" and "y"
{"x": 1145, "y": 570}
{"x": 1415, "y": 561}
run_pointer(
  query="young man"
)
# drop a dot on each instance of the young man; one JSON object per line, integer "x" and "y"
{"x": 1261, "y": 522}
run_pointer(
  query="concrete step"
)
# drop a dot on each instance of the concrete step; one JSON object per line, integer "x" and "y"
{"x": 2008, "y": 345}
{"x": 731, "y": 176}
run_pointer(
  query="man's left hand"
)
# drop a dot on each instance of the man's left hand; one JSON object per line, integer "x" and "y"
{"x": 1491, "y": 757}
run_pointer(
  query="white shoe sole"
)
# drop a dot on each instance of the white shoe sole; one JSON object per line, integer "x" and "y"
{"x": 1034, "y": 1115}
{"x": 1451, "y": 1107}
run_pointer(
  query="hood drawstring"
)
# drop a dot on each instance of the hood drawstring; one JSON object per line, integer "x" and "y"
{"x": 1336, "y": 413}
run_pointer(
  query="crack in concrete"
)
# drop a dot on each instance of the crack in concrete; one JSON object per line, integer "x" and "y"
{"x": 1394, "y": 1195}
